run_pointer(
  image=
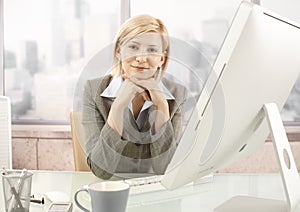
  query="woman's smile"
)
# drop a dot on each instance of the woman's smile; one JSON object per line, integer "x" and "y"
{"x": 140, "y": 68}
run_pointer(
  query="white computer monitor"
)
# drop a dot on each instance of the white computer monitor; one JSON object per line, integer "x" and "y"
{"x": 257, "y": 64}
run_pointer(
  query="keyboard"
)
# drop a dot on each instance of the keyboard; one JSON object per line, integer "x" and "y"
{"x": 153, "y": 183}
{"x": 145, "y": 184}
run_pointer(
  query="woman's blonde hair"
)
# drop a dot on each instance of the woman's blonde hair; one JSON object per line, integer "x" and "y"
{"x": 138, "y": 25}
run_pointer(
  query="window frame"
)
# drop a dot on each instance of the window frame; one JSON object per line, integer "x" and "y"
{"x": 124, "y": 15}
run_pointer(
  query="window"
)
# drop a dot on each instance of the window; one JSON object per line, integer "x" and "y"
{"x": 203, "y": 29}
{"x": 46, "y": 45}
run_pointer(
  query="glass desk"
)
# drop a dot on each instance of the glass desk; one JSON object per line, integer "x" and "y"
{"x": 199, "y": 197}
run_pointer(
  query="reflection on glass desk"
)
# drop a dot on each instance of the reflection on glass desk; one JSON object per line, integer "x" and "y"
{"x": 198, "y": 197}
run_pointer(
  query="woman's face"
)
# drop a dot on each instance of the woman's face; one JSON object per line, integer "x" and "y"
{"x": 142, "y": 54}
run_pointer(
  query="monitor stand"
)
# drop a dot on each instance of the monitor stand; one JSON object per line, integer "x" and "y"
{"x": 288, "y": 171}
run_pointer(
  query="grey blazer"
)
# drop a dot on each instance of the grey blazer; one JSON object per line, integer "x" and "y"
{"x": 139, "y": 151}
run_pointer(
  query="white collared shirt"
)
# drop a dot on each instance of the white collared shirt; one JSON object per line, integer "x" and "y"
{"x": 113, "y": 88}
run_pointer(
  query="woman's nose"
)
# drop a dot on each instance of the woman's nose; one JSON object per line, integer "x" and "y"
{"x": 141, "y": 58}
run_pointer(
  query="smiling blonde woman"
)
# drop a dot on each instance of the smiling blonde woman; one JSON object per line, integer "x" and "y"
{"x": 133, "y": 117}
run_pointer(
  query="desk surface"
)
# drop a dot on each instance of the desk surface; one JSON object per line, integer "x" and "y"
{"x": 186, "y": 199}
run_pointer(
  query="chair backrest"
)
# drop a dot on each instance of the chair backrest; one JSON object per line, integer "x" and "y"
{"x": 5, "y": 133}
{"x": 77, "y": 138}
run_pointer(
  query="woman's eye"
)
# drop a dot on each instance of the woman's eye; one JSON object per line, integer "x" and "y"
{"x": 133, "y": 47}
{"x": 152, "y": 50}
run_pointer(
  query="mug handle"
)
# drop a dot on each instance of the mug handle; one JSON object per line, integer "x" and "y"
{"x": 85, "y": 188}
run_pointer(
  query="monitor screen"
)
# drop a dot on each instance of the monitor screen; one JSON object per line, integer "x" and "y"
{"x": 257, "y": 64}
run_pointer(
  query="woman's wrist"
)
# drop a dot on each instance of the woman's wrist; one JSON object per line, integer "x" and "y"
{"x": 163, "y": 107}
{"x": 118, "y": 104}
{"x": 163, "y": 111}
{"x": 115, "y": 121}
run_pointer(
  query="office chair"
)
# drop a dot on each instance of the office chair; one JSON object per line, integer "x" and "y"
{"x": 77, "y": 136}
{"x": 5, "y": 133}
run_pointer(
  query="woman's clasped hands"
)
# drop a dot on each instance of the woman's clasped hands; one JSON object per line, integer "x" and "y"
{"x": 143, "y": 84}
{"x": 148, "y": 80}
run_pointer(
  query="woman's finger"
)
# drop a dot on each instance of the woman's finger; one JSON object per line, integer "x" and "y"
{"x": 135, "y": 87}
{"x": 139, "y": 89}
{"x": 146, "y": 84}
{"x": 144, "y": 75}
{"x": 125, "y": 76}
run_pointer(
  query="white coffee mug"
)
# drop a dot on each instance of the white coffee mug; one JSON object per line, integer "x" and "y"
{"x": 107, "y": 196}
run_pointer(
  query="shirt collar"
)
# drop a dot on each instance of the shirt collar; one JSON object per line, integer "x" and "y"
{"x": 115, "y": 84}
{"x": 112, "y": 89}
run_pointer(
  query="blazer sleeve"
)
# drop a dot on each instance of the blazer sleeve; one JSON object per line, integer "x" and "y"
{"x": 165, "y": 143}
{"x": 100, "y": 157}
{"x": 104, "y": 147}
